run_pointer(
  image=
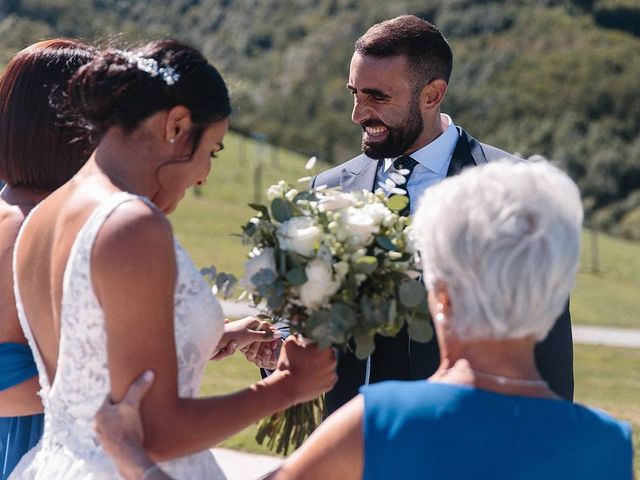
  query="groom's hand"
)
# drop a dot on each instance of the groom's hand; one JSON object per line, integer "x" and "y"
{"x": 263, "y": 355}
{"x": 242, "y": 334}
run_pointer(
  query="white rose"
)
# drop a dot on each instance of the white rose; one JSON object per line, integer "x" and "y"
{"x": 334, "y": 200}
{"x": 300, "y": 235}
{"x": 259, "y": 259}
{"x": 356, "y": 227}
{"x": 320, "y": 285}
{"x": 377, "y": 211}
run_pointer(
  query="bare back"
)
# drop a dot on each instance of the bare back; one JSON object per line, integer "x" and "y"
{"x": 48, "y": 238}
{"x": 11, "y": 217}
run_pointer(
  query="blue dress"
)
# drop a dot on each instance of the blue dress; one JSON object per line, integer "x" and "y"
{"x": 17, "y": 434}
{"x": 420, "y": 429}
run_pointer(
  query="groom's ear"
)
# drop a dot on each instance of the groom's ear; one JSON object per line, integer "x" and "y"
{"x": 177, "y": 124}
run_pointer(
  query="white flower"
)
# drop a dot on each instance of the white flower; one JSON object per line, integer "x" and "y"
{"x": 277, "y": 190}
{"x": 320, "y": 284}
{"x": 291, "y": 194}
{"x": 299, "y": 234}
{"x": 356, "y": 227}
{"x": 334, "y": 200}
{"x": 259, "y": 259}
{"x": 377, "y": 211}
{"x": 341, "y": 268}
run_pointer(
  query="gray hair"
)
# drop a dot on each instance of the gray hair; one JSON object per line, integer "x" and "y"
{"x": 505, "y": 239}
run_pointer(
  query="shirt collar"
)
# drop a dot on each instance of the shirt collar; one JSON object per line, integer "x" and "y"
{"x": 435, "y": 155}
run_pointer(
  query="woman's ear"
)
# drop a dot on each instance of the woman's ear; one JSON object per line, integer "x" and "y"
{"x": 177, "y": 124}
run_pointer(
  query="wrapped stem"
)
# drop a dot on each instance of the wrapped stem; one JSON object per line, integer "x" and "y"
{"x": 291, "y": 427}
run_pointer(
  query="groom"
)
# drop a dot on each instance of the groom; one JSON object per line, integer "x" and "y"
{"x": 398, "y": 77}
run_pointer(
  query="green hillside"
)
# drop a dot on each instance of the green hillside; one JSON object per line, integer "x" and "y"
{"x": 556, "y": 77}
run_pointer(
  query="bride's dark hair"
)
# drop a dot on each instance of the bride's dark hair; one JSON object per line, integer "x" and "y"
{"x": 116, "y": 90}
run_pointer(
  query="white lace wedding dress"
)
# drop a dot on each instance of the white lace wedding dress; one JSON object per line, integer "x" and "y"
{"x": 69, "y": 448}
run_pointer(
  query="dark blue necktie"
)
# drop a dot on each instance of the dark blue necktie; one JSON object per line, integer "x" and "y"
{"x": 405, "y": 162}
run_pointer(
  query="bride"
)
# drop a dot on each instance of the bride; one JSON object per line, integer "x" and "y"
{"x": 104, "y": 291}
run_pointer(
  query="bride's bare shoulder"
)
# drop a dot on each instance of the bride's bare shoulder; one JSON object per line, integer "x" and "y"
{"x": 134, "y": 228}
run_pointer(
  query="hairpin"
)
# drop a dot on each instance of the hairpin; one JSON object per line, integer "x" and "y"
{"x": 150, "y": 66}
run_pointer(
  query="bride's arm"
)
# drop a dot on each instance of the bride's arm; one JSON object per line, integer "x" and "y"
{"x": 133, "y": 273}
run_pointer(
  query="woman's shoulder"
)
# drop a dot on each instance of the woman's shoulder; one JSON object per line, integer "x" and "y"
{"x": 132, "y": 230}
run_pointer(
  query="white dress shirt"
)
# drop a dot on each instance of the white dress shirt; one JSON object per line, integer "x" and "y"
{"x": 433, "y": 162}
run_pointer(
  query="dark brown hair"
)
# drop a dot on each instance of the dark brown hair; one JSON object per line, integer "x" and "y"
{"x": 426, "y": 49}
{"x": 113, "y": 90}
{"x": 37, "y": 149}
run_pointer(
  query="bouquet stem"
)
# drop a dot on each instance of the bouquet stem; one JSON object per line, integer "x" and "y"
{"x": 291, "y": 427}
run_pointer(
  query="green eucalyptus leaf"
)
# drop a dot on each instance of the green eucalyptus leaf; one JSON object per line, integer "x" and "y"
{"x": 319, "y": 317}
{"x": 397, "y": 203}
{"x": 296, "y": 276}
{"x": 261, "y": 208}
{"x": 295, "y": 259}
{"x": 281, "y": 209}
{"x": 364, "y": 344}
{"x": 221, "y": 279}
{"x": 420, "y": 331}
{"x": 385, "y": 243}
{"x": 249, "y": 229}
{"x": 230, "y": 285}
{"x": 343, "y": 317}
{"x": 209, "y": 272}
{"x": 411, "y": 293}
{"x": 305, "y": 195}
{"x": 366, "y": 264}
{"x": 367, "y": 311}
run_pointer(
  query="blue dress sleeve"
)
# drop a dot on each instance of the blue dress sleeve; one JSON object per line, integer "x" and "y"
{"x": 16, "y": 364}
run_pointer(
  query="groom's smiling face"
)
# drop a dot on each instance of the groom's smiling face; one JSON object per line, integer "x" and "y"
{"x": 385, "y": 105}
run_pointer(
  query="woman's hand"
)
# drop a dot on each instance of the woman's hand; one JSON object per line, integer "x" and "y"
{"x": 119, "y": 429}
{"x": 244, "y": 334}
{"x": 263, "y": 354}
{"x": 306, "y": 370}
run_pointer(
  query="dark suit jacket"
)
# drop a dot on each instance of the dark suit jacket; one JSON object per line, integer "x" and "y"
{"x": 400, "y": 358}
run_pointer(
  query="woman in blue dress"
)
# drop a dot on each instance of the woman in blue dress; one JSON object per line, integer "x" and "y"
{"x": 38, "y": 153}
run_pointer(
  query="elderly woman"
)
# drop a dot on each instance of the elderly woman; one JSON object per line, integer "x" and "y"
{"x": 499, "y": 246}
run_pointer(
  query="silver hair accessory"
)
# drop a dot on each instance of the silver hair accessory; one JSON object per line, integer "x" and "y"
{"x": 150, "y": 66}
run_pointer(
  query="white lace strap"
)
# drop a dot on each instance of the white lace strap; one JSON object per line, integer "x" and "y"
{"x": 26, "y": 329}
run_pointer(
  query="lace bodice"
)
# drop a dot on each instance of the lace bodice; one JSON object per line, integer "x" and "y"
{"x": 82, "y": 378}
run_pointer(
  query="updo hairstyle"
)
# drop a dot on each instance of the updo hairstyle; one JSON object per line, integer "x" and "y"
{"x": 113, "y": 90}
{"x": 38, "y": 149}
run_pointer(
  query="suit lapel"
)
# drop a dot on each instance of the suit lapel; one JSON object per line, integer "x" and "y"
{"x": 360, "y": 175}
{"x": 468, "y": 152}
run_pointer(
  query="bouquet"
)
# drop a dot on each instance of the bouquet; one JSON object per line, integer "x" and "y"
{"x": 339, "y": 268}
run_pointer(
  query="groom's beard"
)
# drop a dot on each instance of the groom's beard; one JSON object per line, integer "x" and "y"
{"x": 399, "y": 138}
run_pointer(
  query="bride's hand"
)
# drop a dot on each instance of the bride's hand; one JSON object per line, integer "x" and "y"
{"x": 240, "y": 334}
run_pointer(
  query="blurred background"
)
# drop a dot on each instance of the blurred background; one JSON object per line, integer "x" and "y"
{"x": 560, "y": 78}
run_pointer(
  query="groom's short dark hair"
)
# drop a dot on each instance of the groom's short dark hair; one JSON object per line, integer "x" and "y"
{"x": 426, "y": 49}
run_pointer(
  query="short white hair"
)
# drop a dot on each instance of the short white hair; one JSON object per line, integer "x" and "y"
{"x": 505, "y": 239}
